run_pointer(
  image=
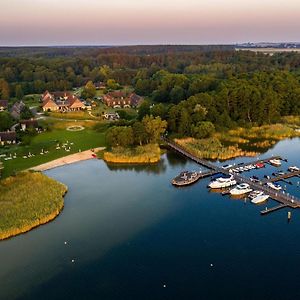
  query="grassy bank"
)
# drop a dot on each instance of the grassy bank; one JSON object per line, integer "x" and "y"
{"x": 238, "y": 142}
{"x": 138, "y": 155}
{"x": 27, "y": 201}
{"x": 48, "y": 141}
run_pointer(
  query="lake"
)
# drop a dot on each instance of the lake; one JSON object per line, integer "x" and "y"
{"x": 127, "y": 233}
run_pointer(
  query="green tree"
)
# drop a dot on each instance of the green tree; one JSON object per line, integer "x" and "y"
{"x": 6, "y": 121}
{"x": 202, "y": 130}
{"x": 4, "y": 90}
{"x": 144, "y": 109}
{"x": 119, "y": 136}
{"x": 155, "y": 128}
{"x": 19, "y": 92}
{"x": 139, "y": 133}
{"x": 112, "y": 84}
{"x": 89, "y": 90}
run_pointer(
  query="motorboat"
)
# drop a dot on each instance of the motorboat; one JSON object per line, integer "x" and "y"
{"x": 226, "y": 167}
{"x": 275, "y": 162}
{"x": 255, "y": 194}
{"x": 274, "y": 186}
{"x": 260, "y": 165}
{"x": 241, "y": 189}
{"x": 254, "y": 178}
{"x": 260, "y": 199}
{"x": 293, "y": 169}
{"x": 222, "y": 182}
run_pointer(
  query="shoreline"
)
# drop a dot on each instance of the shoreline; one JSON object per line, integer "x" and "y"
{"x": 66, "y": 160}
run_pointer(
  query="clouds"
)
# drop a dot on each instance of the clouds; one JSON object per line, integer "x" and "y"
{"x": 143, "y": 21}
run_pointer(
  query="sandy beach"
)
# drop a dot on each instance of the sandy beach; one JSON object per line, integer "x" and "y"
{"x": 72, "y": 158}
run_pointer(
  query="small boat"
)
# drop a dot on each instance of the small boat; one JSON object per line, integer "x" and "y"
{"x": 186, "y": 178}
{"x": 275, "y": 162}
{"x": 255, "y": 194}
{"x": 226, "y": 167}
{"x": 241, "y": 189}
{"x": 274, "y": 186}
{"x": 293, "y": 169}
{"x": 259, "y": 165}
{"x": 222, "y": 182}
{"x": 260, "y": 199}
{"x": 254, "y": 178}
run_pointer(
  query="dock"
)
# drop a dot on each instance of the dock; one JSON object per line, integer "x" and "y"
{"x": 284, "y": 199}
{"x": 269, "y": 210}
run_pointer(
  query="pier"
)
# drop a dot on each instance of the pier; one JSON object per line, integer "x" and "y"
{"x": 284, "y": 199}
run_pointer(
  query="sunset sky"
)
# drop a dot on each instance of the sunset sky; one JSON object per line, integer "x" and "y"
{"x": 116, "y": 22}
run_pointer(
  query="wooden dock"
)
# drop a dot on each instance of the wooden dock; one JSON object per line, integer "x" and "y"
{"x": 285, "y": 199}
{"x": 269, "y": 210}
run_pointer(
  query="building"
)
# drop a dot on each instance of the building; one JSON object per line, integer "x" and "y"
{"x": 100, "y": 85}
{"x": 118, "y": 99}
{"x": 8, "y": 137}
{"x": 3, "y": 105}
{"x": 17, "y": 109}
{"x": 26, "y": 124}
{"x": 61, "y": 101}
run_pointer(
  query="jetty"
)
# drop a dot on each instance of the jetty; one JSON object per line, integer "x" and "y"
{"x": 283, "y": 198}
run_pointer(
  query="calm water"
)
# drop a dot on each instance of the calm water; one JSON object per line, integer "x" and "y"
{"x": 134, "y": 236}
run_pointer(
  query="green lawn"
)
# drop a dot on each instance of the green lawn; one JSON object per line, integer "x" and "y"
{"x": 82, "y": 140}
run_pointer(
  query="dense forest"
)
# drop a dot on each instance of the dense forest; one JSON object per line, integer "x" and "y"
{"x": 195, "y": 84}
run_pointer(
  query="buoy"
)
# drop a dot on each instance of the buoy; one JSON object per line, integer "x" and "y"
{"x": 65, "y": 243}
{"x": 211, "y": 265}
{"x": 72, "y": 260}
{"x": 164, "y": 285}
{"x": 289, "y": 215}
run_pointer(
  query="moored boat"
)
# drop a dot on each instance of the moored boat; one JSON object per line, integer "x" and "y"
{"x": 255, "y": 194}
{"x": 274, "y": 186}
{"x": 275, "y": 162}
{"x": 293, "y": 169}
{"x": 241, "y": 189}
{"x": 260, "y": 199}
{"x": 222, "y": 182}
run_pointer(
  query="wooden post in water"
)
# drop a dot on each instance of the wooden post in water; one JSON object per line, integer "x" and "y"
{"x": 289, "y": 215}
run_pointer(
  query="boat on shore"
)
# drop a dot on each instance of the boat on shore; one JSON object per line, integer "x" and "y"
{"x": 260, "y": 199}
{"x": 222, "y": 182}
{"x": 241, "y": 189}
{"x": 186, "y": 178}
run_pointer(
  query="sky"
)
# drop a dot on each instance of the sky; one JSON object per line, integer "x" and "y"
{"x": 128, "y": 22}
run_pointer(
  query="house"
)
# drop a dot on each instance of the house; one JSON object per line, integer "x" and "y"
{"x": 17, "y": 109}
{"x": 111, "y": 116}
{"x": 3, "y": 105}
{"x": 61, "y": 101}
{"x": 26, "y": 124}
{"x": 8, "y": 137}
{"x": 118, "y": 99}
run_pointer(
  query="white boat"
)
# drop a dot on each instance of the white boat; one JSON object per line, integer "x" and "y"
{"x": 222, "y": 182}
{"x": 225, "y": 167}
{"x": 274, "y": 186}
{"x": 255, "y": 194}
{"x": 294, "y": 169}
{"x": 260, "y": 199}
{"x": 275, "y": 162}
{"x": 241, "y": 189}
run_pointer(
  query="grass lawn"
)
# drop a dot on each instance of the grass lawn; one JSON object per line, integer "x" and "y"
{"x": 82, "y": 140}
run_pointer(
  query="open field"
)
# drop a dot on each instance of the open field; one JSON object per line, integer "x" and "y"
{"x": 24, "y": 207}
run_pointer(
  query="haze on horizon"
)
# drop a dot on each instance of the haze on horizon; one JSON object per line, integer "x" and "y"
{"x": 117, "y": 22}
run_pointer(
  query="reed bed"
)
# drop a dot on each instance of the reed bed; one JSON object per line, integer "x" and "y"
{"x": 138, "y": 155}
{"x": 27, "y": 201}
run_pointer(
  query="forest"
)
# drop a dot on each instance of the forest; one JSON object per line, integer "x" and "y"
{"x": 195, "y": 88}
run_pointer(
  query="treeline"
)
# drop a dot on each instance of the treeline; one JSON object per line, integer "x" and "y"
{"x": 28, "y": 70}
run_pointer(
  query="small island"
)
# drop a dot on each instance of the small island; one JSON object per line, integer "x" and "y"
{"x": 27, "y": 201}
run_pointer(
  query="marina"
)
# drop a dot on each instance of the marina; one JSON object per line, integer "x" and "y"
{"x": 278, "y": 195}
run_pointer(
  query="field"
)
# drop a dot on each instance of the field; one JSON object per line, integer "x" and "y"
{"x": 49, "y": 141}
{"x": 28, "y": 200}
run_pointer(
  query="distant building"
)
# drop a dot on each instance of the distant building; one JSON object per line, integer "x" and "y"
{"x": 17, "y": 109}
{"x": 118, "y": 99}
{"x": 8, "y": 137}
{"x": 100, "y": 85}
{"x": 26, "y": 124}
{"x": 3, "y": 105}
{"x": 61, "y": 101}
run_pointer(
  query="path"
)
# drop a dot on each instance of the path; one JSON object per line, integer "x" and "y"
{"x": 69, "y": 159}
